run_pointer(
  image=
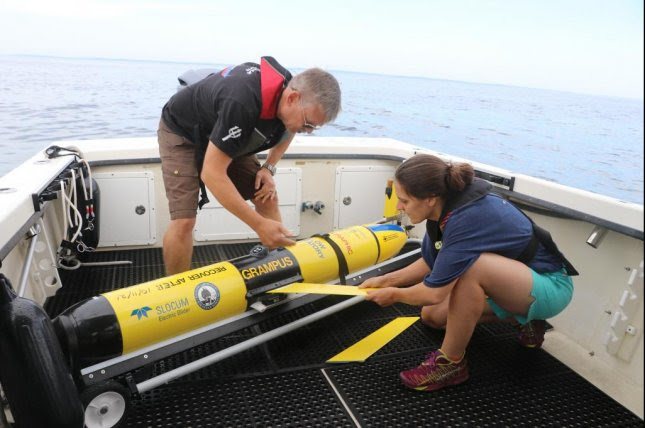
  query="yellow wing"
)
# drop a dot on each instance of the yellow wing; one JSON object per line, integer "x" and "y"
{"x": 364, "y": 348}
{"x": 312, "y": 288}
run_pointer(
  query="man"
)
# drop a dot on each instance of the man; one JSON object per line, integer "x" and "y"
{"x": 210, "y": 132}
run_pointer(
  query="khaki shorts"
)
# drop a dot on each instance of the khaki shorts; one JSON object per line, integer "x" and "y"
{"x": 181, "y": 178}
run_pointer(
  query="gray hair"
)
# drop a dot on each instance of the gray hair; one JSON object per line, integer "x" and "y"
{"x": 321, "y": 87}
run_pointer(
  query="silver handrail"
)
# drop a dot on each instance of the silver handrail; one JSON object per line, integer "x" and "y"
{"x": 243, "y": 346}
{"x": 24, "y": 274}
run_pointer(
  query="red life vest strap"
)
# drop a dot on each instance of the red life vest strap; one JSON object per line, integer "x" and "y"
{"x": 272, "y": 82}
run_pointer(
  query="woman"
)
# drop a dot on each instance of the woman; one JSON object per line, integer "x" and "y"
{"x": 483, "y": 260}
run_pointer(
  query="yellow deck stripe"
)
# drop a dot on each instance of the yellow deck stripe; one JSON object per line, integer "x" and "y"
{"x": 364, "y": 348}
{"x": 310, "y": 288}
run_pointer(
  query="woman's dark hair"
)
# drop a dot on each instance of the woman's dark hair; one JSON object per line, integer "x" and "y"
{"x": 424, "y": 176}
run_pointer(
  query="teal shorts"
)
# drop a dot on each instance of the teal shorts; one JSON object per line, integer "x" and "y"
{"x": 552, "y": 293}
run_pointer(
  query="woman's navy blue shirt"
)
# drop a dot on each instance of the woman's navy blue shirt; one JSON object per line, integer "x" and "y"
{"x": 488, "y": 225}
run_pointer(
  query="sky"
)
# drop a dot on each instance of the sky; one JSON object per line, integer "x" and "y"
{"x": 585, "y": 46}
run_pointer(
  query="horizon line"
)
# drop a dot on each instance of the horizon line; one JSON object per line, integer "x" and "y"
{"x": 336, "y": 70}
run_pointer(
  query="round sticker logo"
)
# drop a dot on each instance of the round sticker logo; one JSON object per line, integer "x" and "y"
{"x": 206, "y": 295}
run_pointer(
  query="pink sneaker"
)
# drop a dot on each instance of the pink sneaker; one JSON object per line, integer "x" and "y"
{"x": 531, "y": 334}
{"x": 435, "y": 372}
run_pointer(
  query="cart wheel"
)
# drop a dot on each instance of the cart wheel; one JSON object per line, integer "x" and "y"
{"x": 106, "y": 404}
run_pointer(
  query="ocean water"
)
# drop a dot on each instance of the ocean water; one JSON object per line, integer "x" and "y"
{"x": 589, "y": 142}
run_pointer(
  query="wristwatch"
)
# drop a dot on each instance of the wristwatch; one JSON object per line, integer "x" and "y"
{"x": 270, "y": 167}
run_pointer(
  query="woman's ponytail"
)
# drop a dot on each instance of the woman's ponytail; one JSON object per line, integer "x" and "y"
{"x": 424, "y": 176}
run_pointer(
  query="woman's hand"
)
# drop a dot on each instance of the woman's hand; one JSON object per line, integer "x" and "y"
{"x": 375, "y": 282}
{"x": 385, "y": 296}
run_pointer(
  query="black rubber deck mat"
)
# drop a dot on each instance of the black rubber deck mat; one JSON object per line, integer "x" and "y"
{"x": 286, "y": 382}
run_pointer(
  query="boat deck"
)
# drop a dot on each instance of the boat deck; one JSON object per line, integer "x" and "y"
{"x": 286, "y": 381}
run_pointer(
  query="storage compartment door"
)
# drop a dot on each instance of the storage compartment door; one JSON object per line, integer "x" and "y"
{"x": 360, "y": 194}
{"x": 127, "y": 207}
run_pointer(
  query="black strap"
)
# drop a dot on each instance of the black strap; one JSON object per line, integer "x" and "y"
{"x": 543, "y": 237}
{"x": 203, "y": 197}
{"x": 547, "y": 241}
{"x": 529, "y": 251}
{"x": 378, "y": 245}
{"x": 343, "y": 270}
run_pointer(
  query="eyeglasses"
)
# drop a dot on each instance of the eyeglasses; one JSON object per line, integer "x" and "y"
{"x": 306, "y": 124}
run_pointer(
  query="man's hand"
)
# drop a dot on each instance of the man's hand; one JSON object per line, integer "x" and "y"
{"x": 385, "y": 296}
{"x": 273, "y": 234}
{"x": 264, "y": 185}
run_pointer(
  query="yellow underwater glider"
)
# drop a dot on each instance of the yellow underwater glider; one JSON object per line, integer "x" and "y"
{"x": 131, "y": 318}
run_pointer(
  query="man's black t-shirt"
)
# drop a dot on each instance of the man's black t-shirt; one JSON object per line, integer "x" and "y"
{"x": 225, "y": 108}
